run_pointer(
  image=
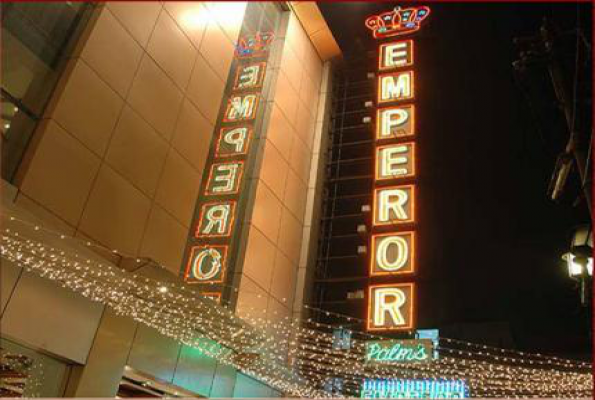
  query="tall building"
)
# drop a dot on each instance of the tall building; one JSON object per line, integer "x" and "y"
{"x": 209, "y": 199}
{"x": 149, "y": 132}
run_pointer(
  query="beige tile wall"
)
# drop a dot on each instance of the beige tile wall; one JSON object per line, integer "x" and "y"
{"x": 120, "y": 153}
{"x": 313, "y": 206}
{"x": 276, "y": 225}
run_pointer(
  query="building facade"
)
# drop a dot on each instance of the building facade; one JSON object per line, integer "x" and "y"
{"x": 117, "y": 118}
{"x": 207, "y": 199}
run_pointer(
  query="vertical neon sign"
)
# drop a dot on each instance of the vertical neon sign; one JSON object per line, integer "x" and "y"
{"x": 391, "y": 306}
{"x": 212, "y": 243}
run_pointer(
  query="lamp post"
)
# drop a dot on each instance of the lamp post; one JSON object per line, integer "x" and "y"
{"x": 580, "y": 260}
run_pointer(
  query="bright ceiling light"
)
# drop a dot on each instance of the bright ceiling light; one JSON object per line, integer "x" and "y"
{"x": 228, "y": 14}
{"x": 194, "y": 18}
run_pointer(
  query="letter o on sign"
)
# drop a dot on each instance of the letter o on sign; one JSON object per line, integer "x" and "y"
{"x": 401, "y": 250}
{"x": 207, "y": 264}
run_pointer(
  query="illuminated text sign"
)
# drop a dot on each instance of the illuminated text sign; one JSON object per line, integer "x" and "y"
{"x": 391, "y": 306}
{"x": 392, "y": 241}
{"x": 400, "y": 21}
{"x": 394, "y": 253}
{"x": 414, "y": 389}
{"x": 395, "y": 122}
{"x": 399, "y": 351}
{"x": 395, "y": 86}
{"x": 217, "y": 210}
{"x": 396, "y": 54}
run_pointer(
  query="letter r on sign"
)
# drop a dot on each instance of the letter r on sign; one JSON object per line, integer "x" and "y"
{"x": 391, "y": 307}
{"x": 394, "y": 205}
{"x": 216, "y": 219}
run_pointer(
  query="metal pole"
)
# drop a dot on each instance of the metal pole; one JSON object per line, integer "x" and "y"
{"x": 576, "y": 145}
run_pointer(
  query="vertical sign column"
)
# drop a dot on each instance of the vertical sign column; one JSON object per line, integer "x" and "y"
{"x": 212, "y": 243}
{"x": 391, "y": 306}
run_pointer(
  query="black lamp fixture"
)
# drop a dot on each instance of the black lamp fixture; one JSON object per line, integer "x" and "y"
{"x": 579, "y": 260}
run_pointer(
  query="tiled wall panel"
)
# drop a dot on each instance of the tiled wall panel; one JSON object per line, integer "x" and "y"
{"x": 277, "y": 221}
{"x": 120, "y": 153}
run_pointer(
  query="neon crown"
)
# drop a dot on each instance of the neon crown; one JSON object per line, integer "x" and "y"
{"x": 254, "y": 45}
{"x": 399, "y": 21}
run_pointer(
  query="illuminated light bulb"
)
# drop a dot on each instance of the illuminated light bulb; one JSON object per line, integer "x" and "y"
{"x": 120, "y": 290}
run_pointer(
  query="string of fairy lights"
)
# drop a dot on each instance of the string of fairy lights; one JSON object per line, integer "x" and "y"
{"x": 499, "y": 353}
{"x": 296, "y": 356}
{"x": 21, "y": 375}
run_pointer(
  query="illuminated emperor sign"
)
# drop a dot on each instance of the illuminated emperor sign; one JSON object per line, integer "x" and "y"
{"x": 395, "y": 54}
{"x": 400, "y": 21}
{"x": 394, "y": 205}
{"x": 391, "y": 307}
{"x": 395, "y": 87}
{"x": 394, "y": 161}
{"x": 395, "y": 122}
{"x": 393, "y": 253}
{"x": 208, "y": 254}
{"x": 399, "y": 351}
{"x": 392, "y": 239}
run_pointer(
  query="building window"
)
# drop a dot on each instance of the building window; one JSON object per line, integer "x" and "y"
{"x": 28, "y": 373}
{"x": 36, "y": 40}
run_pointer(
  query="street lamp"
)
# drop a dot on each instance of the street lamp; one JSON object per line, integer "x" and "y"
{"x": 575, "y": 269}
{"x": 580, "y": 259}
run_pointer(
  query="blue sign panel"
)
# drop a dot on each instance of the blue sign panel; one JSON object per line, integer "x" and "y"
{"x": 414, "y": 389}
{"x": 432, "y": 334}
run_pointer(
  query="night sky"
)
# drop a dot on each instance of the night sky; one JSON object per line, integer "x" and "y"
{"x": 490, "y": 239}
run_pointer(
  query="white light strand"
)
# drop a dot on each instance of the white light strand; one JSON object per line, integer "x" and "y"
{"x": 293, "y": 356}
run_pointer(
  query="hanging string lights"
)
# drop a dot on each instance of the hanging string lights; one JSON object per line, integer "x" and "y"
{"x": 297, "y": 357}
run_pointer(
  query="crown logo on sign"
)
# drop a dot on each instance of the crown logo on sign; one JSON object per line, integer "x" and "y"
{"x": 252, "y": 46}
{"x": 399, "y": 21}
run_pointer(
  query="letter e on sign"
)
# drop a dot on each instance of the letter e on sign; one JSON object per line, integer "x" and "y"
{"x": 395, "y": 55}
{"x": 249, "y": 76}
{"x": 395, "y": 161}
{"x": 225, "y": 178}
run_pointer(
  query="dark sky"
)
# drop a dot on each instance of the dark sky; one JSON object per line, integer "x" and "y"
{"x": 490, "y": 240}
